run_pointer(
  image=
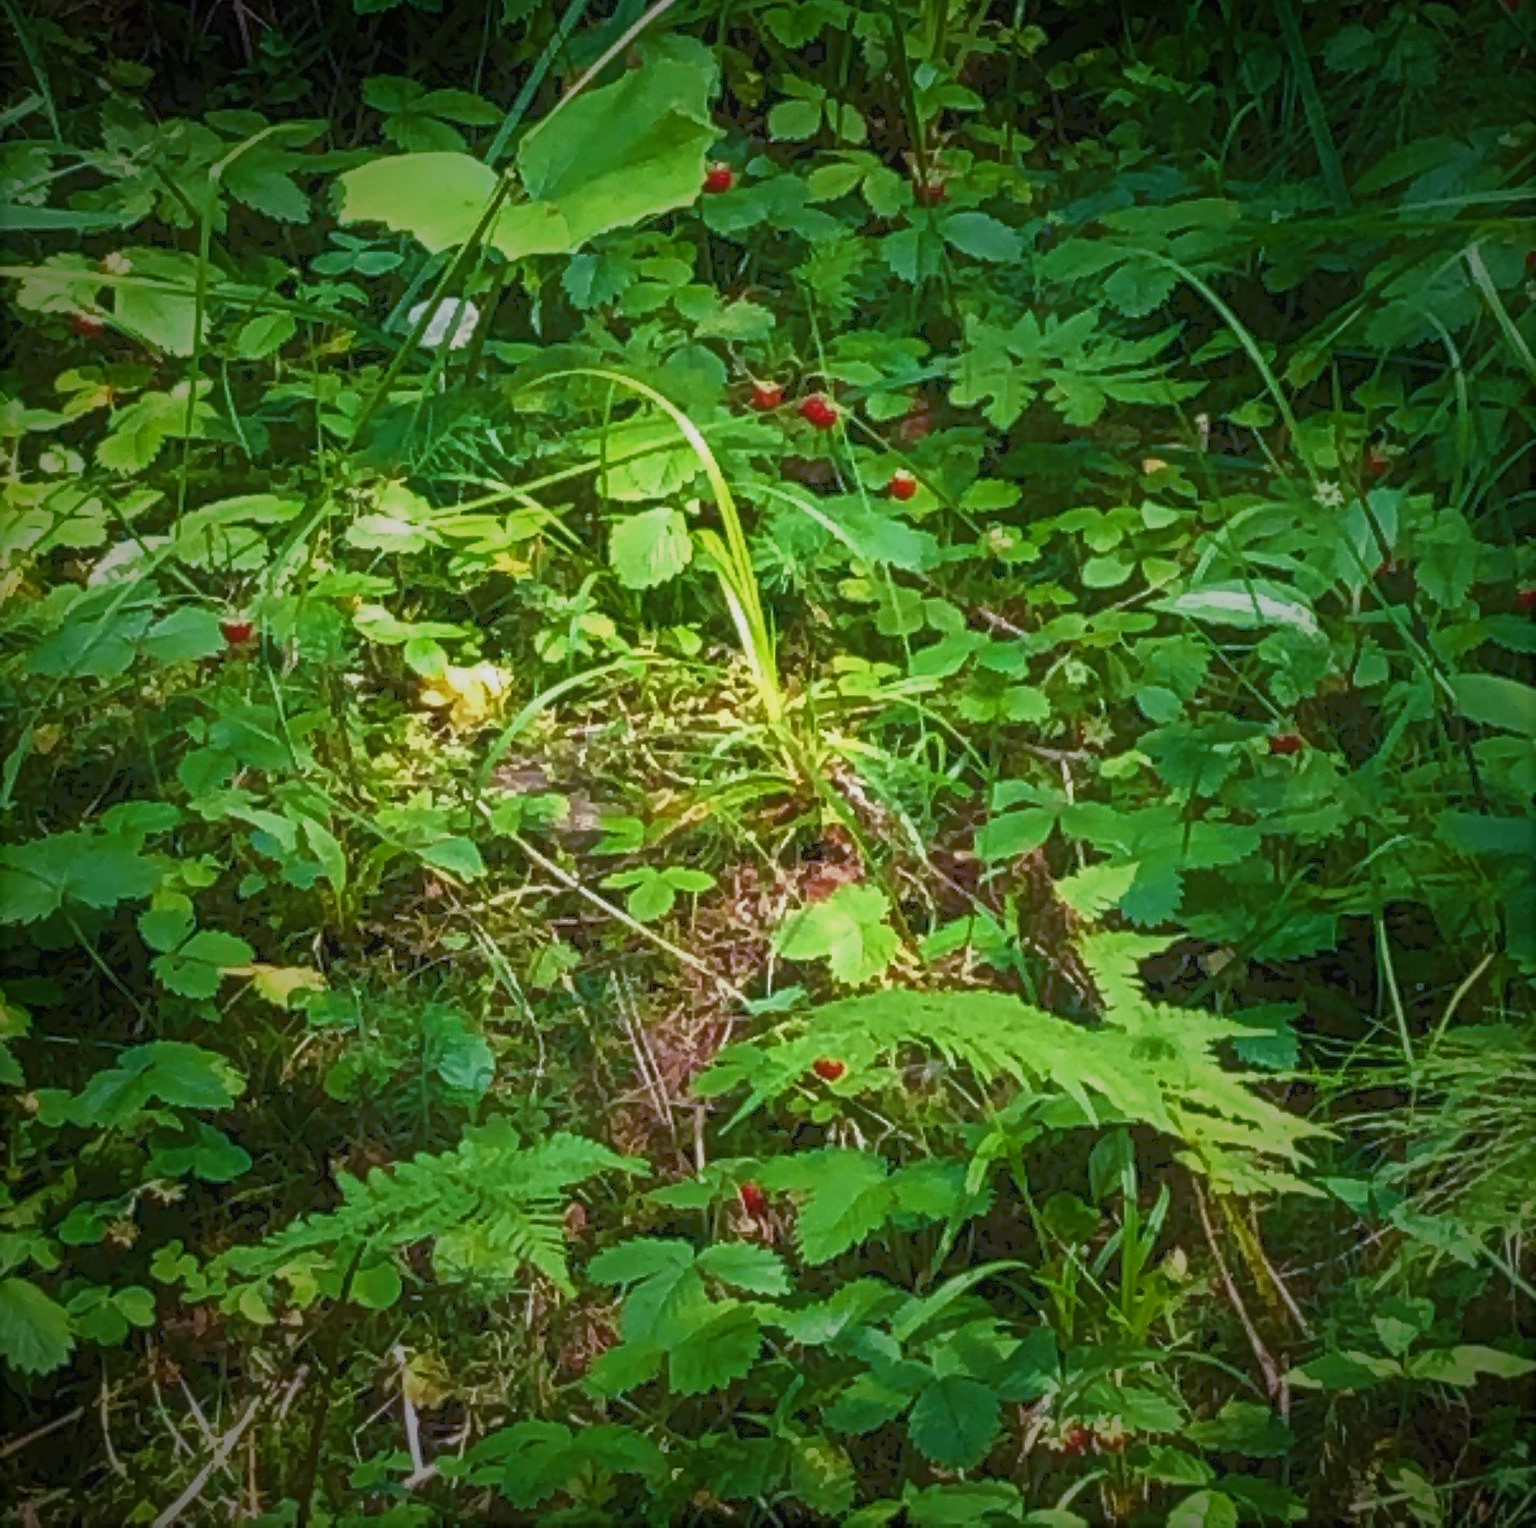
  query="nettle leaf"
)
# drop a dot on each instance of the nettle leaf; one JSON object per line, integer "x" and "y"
{"x": 849, "y": 930}
{"x": 649, "y": 548}
{"x": 35, "y": 1334}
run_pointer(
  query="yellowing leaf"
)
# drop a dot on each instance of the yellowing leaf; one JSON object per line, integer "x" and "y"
{"x": 277, "y": 984}
{"x": 471, "y": 696}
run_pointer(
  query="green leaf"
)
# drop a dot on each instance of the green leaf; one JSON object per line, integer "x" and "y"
{"x": 1246, "y": 606}
{"x": 745, "y": 1266}
{"x": 976, "y": 233}
{"x": 649, "y": 548}
{"x": 849, "y": 930}
{"x": 1495, "y": 701}
{"x": 457, "y": 856}
{"x": 177, "y": 1073}
{"x": 39, "y": 878}
{"x": 1205, "y": 1509}
{"x": 1463, "y": 1366}
{"x": 35, "y": 1334}
{"x": 264, "y": 335}
{"x": 1139, "y": 286}
{"x": 716, "y": 1351}
{"x": 196, "y": 969}
{"x": 1015, "y": 833}
{"x": 187, "y": 635}
{"x": 600, "y": 179}
{"x": 377, "y": 1287}
{"x": 954, "y": 1421}
{"x": 848, "y": 1198}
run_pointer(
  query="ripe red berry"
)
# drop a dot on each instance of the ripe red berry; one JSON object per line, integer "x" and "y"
{"x": 1377, "y": 462}
{"x": 766, "y": 396}
{"x": 1075, "y": 1439}
{"x": 902, "y": 485}
{"x": 930, "y": 193}
{"x": 87, "y": 325}
{"x": 719, "y": 177}
{"x": 753, "y": 1200}
{"x": 1526, "y": 599}
{"x": 237, "y": 632}
{"x": 1285, "y": 743}
{"x": 819, "y": 411}
{"x": 828, "y": 1069}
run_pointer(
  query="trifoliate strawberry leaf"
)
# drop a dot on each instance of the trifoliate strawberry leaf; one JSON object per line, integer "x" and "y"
{"x": 954, "y": 1421}
{"x": 665, "y": 1282}
{"x": 174, "y": 1072}
{"x": 198, "y": 967}
{"x": 35, "y": 1331}
{"x": 849, "y": 930}
{"x": 848, "y": 1197}
{"x": 716, "y": 1351}
{"x": 744, "y": 1266}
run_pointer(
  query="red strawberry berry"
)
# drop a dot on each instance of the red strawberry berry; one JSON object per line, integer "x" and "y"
{"x": 1526, "y": 599}
{"x": 1076, "y": 1438}
{"x": 902, "y": 485}
{"x": 1285, "y": 743}
{"x": 819, "y": 411}
{"x": 753, "y": 1200}
{"x": 86, "y": 325}
{"x": 719, "y": 177}
{"x": 930, "y": 193}
{"x": 828, "y": 1068}
{"x": 237, "y": 631}
{"x": 1377, "y": 462}
{"x": 766, "y": 396}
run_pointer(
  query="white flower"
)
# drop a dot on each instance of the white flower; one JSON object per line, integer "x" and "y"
{"x": 453, "y": 323}
{"x": 1330, "y": 496}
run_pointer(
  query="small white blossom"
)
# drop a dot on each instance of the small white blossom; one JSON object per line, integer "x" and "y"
{"x": 1330, "y": 496}
{"x": 453, "y": 323}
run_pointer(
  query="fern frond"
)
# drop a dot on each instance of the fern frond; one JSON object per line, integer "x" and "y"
{"x": 492, "y": 1207}
{"x": 1148, "y": 1062}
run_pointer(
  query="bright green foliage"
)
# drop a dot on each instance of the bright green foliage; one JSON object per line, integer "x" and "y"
{"x": 491, "y": 1209}
{"x": 849, "y": 930}
{"x": 1148, "y": 1062}
{"x": 478, "y": 744}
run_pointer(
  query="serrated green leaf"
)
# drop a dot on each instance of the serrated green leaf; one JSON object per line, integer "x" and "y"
{"x": 848, "y": 930}
{"x": 35, "y": 1334}
{"x": 954, "y": 1421}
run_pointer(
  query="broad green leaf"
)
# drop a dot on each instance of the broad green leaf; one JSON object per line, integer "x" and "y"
{"x": 1463, "y": 1366}
{"x": 198, "y": 967}
{"x": 954, "y": 1421}
{"x": 39, "y": 878}
{"x": 377, "y": 1287}
{"x": 714, "y": 1352}
{"x": 1495, "y": 701}
{"x": 35, "y": 1334}
{"x": 1205, "y": 1509}
{"x": 849, "y": 930}
{"x": 649, "y": 548}
{"x": 978, "y": 234}
{"x": 745, "y": 1266}
{"x": 598, "y": 178}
